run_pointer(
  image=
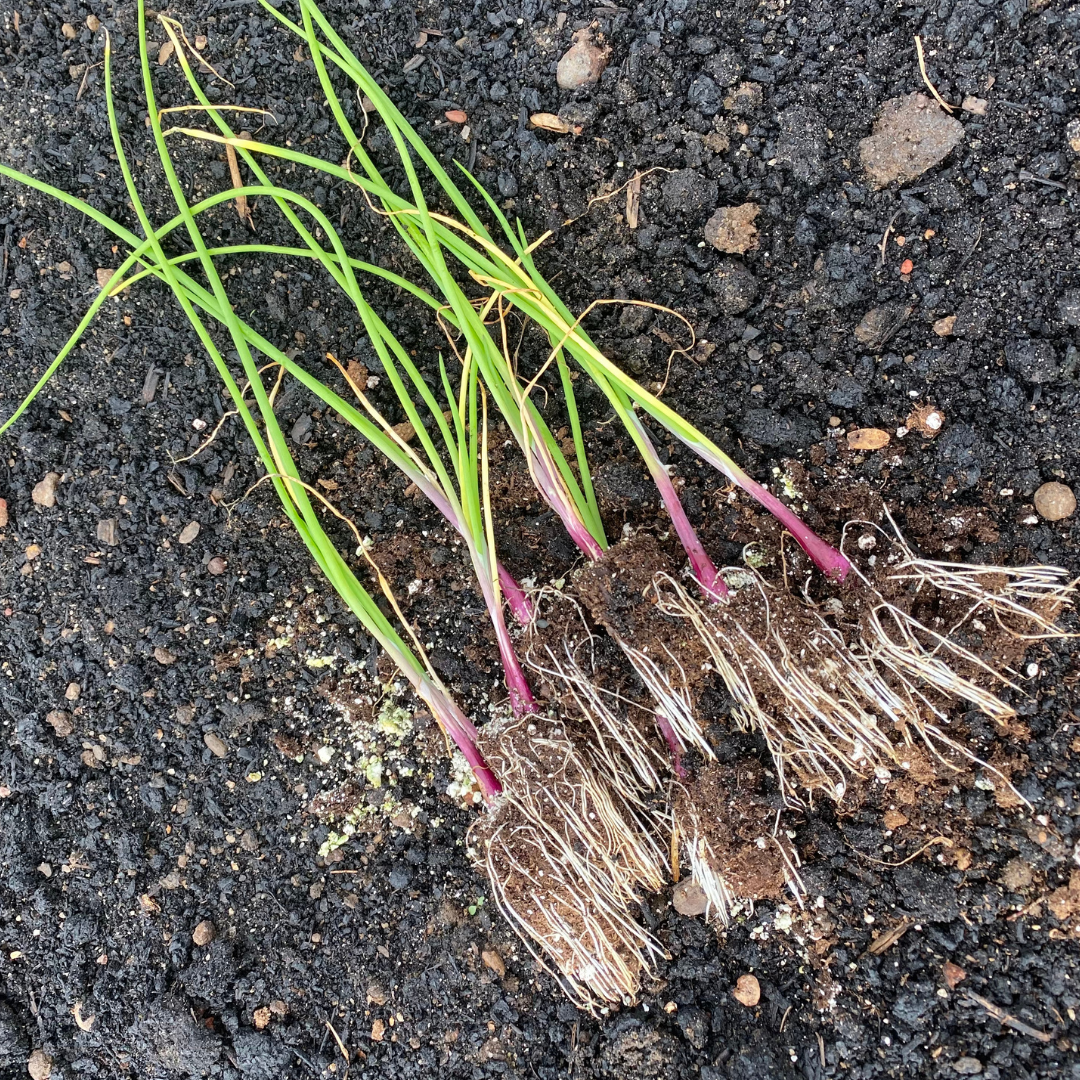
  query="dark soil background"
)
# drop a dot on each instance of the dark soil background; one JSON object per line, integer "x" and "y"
{"x": 122, "y": 828}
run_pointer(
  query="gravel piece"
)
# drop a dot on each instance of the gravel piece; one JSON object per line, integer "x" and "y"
{"x": 1055, "y": 502}
{"x": 688, "y": 898}
{"x": 60, "y": 722}
{"x": 912, "y": 134}
{"x": 189, "y": 532}
{"x": 747, "y": 991}
{"x": 583, "y": 63}
{"x": 216, "y": 745}
{"x": 108, "y": 531}
{"x": 203, "y": 934}
{"x": 732, "y": 230}
{"x": 44, "y": 493}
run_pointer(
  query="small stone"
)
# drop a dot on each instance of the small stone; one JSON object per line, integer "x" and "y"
{"x": 977, "y": 106}
{"x": 1055, "y": 502}
{"x": 32, "y": 552}
{"x": 39, "y": 1066}
{"x": 189, "y": 532}
{"x": 944, "y": 327}
{"x": 954, "y": 974}
{"x": 494, "y": 961}
{"x": 1072, "y": 134}
{"x": 164, "y": 657}
{"x": 215, "y": 744}
{"x": 747, "y": 991}
{"x": 879, "y": 324}
{"x": 378, "y": 1030}
{"x": 203, "y": 934}
{"x": 261, "y": 1017}
{"x": 45, "y": 869}
{"x": 967, "y": 1066}
{"x": 200, "y": 43}
{"x": 911, "y": 135}
{"x": 216, "y": 566}
{"x": 455, "y": 116}
{"x": 69, "y": 31}
{"x": 732, "y": 230}
{"x": 73, "y": 691}
{"x": 60, "y": 722}
{"x": 44, "y": 493}
{"x": 1016, "y": 875}
{"x": 108, "y": 531}
{"x": 3, "y": 514}
{"x": 688, "y": 898}
{"x": 582, "y": 63}
{"x": 93, "y": 23}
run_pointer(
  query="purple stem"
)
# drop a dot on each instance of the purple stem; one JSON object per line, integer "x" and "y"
{"x": 553, "y": 492}
{"x": 520, "y": 605}
{"x": 708, "y": 577}
{"x": 673, "y": 744}
{"x": 521, "y": 697}
{"x": 825, "y": 557}
{"x": 460, "y": 728}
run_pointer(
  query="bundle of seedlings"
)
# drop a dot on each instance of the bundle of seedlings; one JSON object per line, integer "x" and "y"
{"x": 833, "y": 704}
{"x": 565, "y": 857}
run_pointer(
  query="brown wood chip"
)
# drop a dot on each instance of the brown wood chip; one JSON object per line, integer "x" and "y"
{"x": 633, "y": 201}
{"x": 890, "y": 937}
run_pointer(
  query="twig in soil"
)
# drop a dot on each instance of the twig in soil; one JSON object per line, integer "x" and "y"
{"x": 634, "y": 180}
{"x": 926, "y": 78}
{"x": 4, "y": 267}
{"x": 1025, "y": 175}
{"x": 242, "y": 208}
{"x": 943, "y": 840}
{"x": 1027, "y": 909}
{"x": 1008, "y": 1020}
{"x": 889, "y": 938}
{"x": 86, "y": 75}
{"x": 337, "y": 1039}
{"x": 633, "y": 199}
{"x": 887, "y": 233}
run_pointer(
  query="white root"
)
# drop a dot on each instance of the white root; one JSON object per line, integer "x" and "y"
{"x": 566, "y": 864}
{"x": 835, "y": 703}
